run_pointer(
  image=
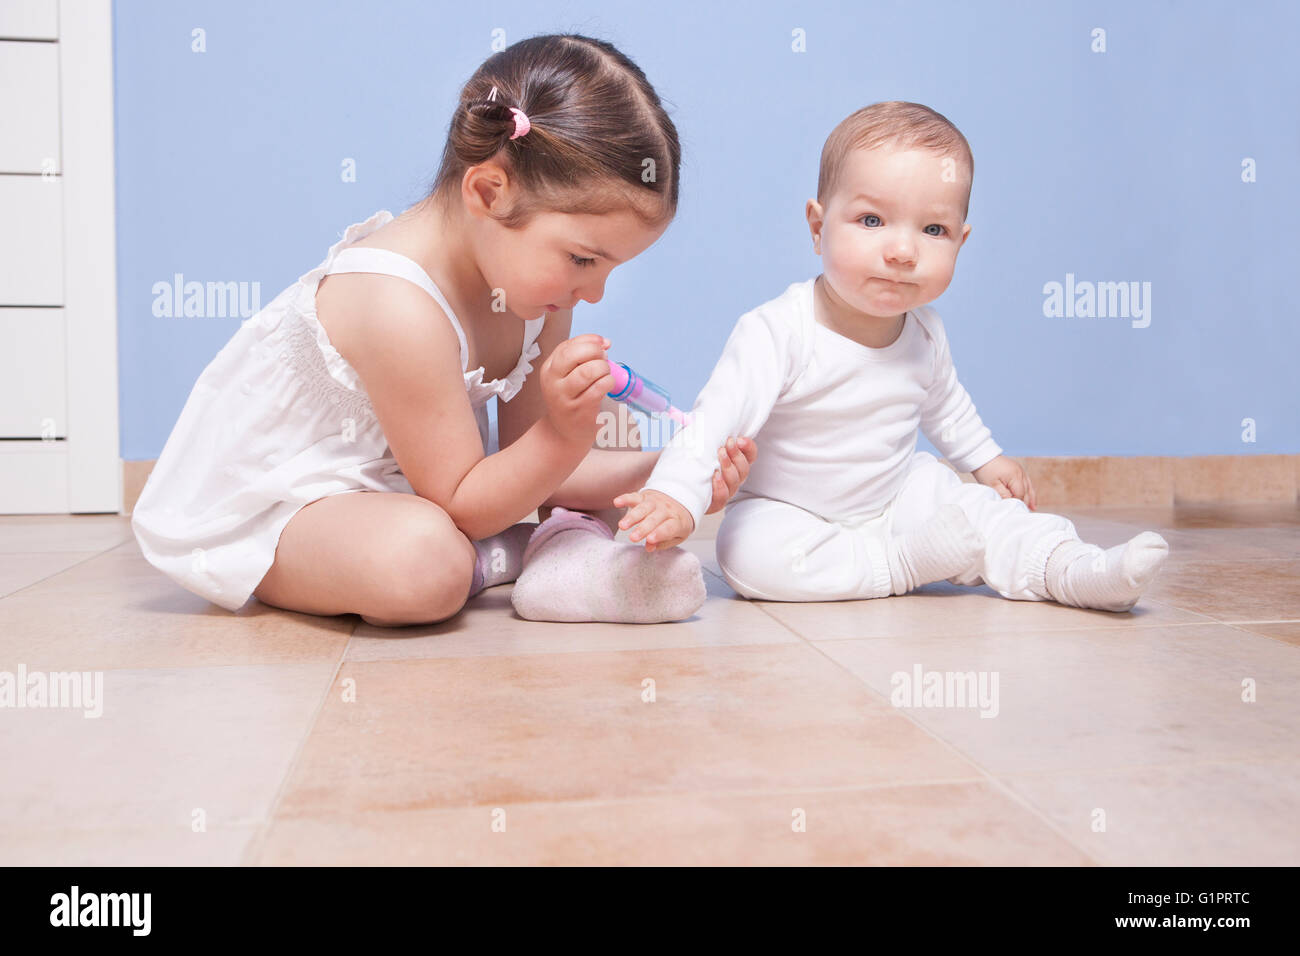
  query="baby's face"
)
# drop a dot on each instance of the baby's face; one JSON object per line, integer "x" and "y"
{"x": 889, "y": 235}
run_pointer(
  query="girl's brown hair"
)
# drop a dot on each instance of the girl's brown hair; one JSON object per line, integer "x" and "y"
{"x": 599, "y": 138}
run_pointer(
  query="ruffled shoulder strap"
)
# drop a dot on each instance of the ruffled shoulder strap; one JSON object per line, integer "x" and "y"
{"x": 508, "y": 387}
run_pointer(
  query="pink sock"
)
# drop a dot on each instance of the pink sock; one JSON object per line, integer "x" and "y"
{"x": 574, "y": 570}
{"x": 500, "y": 557}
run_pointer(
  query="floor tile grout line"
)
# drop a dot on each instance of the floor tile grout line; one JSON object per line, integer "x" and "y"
{"x": 1026, "y": 631}
{"x": 1238, "y": 626}
{"x": 841, "y": 788}
{"x": 302, "y": 662}
{"x": 252, "y": 822}
{"x": 1204, "y": 619}
{"x": 970, "y": 759}
{"x": 91, "y": 556}
{"x": 789, "y": 627}
{"x": 1112, "y": 770}
{"x": 254, "y": 846}
{"x": 650, "y": 796}
{"x": 578, "y": 650}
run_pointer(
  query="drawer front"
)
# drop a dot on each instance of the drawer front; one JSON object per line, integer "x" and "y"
{"x": 31, "y": 240}
{"x": 33, "y": 374}
{"x": 29, "y": 19}
{"x": 34, "y": 477}
{"x": 29, "y": 108}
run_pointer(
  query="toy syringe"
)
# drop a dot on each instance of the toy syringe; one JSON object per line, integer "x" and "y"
{"x": 643, "y": 394}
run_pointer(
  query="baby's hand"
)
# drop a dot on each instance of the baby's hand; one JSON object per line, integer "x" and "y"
{"x": 1008, "y": 479}
{"x": 734, "y": 460}
{"x": 663, "y": 521}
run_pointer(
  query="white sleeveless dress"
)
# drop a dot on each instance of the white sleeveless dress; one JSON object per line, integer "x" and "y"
{"x": 277, "y": 420}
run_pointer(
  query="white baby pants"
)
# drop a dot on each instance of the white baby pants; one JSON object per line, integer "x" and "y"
{"x": 771, "y": 550}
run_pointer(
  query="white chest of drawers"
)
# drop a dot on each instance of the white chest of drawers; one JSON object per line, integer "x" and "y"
{"x": 59, "y": 448}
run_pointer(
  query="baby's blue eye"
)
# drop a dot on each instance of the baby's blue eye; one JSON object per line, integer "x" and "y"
{"x": 579, "y": 261}
{"x": 935, "y": 225}
{"x": 871, "y": 215}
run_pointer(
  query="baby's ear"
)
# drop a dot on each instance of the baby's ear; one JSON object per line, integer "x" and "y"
{"x": 813, "y": 212}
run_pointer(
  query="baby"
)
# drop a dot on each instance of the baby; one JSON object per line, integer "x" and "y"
{"x": 835, "y": 377}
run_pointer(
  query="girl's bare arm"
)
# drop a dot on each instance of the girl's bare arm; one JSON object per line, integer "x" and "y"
{"x": 601, "y": 477}
{"x": 409, "y": 362}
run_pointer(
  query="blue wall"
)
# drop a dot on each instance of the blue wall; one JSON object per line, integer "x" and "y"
{"x": 1115, "y": 166}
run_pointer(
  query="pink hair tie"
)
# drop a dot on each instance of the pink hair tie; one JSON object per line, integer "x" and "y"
{"x": 522, "y": 126}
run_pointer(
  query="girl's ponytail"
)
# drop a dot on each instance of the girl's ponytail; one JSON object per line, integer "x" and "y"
{"x": 577, "y": 124}
{"x": 501, "y": 117}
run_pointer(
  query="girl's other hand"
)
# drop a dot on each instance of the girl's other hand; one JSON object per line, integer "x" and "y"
{"x": 574, "y": 379}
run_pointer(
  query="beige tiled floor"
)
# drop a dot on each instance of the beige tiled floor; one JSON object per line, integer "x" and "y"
{"x": 771, "y": 737}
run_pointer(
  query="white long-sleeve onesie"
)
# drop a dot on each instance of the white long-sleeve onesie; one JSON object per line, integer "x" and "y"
{"x": 835, "y": 422}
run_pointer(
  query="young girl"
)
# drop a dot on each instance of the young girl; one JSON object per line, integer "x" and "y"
{"x": 372, "y": 374}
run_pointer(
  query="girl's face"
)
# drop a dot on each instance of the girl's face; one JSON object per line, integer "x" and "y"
{"x": 555, "y": 261}
{"x": 559, "y": 259}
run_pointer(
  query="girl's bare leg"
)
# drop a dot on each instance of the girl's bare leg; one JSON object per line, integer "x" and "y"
{"x": 392, "y": 558}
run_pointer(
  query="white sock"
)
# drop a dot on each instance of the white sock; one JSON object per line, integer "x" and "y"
{"x": 1083, "y": 575}
{"x": 942, "y": 548}
{"x": 574, "y": 570}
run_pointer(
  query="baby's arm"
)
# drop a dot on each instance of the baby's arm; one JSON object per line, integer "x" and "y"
{"x": 950, "y": 421}
{"x": 737, "y": 399}
{"x": 948, "y": 415}
{"x": 409, "y": 363}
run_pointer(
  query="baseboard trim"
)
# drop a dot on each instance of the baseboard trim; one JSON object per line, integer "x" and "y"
{"x": 134, "y": 475}
{"x": 1102, "y": 481}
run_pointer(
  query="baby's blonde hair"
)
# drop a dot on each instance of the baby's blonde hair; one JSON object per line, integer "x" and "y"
{"x": 897, "y": 123}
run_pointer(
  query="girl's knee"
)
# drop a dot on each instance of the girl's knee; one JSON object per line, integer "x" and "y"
{"x": 428, "y": 571}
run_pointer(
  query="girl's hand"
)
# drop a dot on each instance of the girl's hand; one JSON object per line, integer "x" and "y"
{"x": 661, "y": 520}
{"x": 574, "y": 379}
{"x": 1008, "y": 479}
{"x": 734, "y": 460}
